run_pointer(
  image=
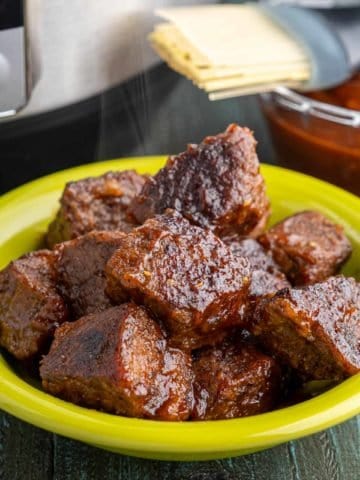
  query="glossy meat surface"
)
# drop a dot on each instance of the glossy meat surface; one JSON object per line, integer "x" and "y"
{"x": 266, "y": 278}
{"x": 30, "y": 306}
{"x": 95, "y": 203}
{"x": 118, "y": 361}
{"x": 234, "y": 379}
{"x": 315, "y": 329}
{"x": 185, "y": 275}
{"x": 81, "y": 271}
{"x": 216, "y": 184}
{"x": 307, "y": 246}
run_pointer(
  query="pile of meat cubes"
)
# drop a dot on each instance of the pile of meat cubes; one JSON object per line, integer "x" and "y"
{"x": 165, "y": 297}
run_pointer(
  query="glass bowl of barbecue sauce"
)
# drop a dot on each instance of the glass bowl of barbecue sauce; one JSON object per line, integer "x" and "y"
{"x": 318, "y": 133}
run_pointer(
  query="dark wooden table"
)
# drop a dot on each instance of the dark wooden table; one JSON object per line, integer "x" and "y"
{"x": 165, "y": 112}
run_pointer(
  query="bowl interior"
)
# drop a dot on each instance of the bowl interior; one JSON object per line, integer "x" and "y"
{"x": 24, "y": 216}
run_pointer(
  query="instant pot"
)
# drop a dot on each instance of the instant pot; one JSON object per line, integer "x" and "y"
{"x": 80, "y": 83}
{"x": 55, "y": 53}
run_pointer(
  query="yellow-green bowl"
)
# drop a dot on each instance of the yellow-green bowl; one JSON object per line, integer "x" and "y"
{"x": 24, "y": 215}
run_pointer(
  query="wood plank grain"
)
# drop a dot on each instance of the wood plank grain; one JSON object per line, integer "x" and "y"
{"x": 346, "y": 439}
{"x": 267, "y": 465}
{"x": 315, "y": 457}
{"x": 25, "y": 451}
{"x": 28, "y": 453}
{"x": 94, "y": 464}
{"x": 331, "y": 455}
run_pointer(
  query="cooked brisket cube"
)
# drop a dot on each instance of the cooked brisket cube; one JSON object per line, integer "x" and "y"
{"x": 81, "y": 271}
{"x": 216, "y": 185}
{"x": 95, "y": 203}
{"x": 315, "y": 329}
{"x": 185, "y": 275}
{"x": 308, "y": 247}
{"x": 118, "y": 361}
{"x": 234, "y": 379}
{"x": 266, "y": 277}
{"x": 30, "y": 306}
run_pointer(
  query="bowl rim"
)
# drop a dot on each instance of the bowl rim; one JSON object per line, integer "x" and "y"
{"x": 294, "y": 100}
{"x": 192, "y": 439}
{"x": 26, "y": 402}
